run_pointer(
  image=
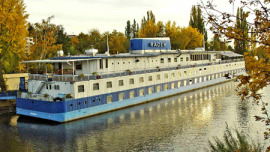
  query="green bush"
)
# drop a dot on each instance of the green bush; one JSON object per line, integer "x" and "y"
{"x": 240, "y": 143}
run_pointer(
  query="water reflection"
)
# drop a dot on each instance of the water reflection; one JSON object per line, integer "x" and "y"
{"x": 179, "y": 123}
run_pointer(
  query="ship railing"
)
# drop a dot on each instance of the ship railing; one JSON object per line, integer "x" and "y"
{"x": 35, "y": 96}
{"x": 86, "y": 77}
{"x": 65, "y": 78}
{"x": 126, "y": 73}
{"x": 38, "y": 77}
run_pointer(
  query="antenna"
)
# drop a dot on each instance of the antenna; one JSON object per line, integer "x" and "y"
{"x": 108, "y": 49}
{"x": 203, "y": 41}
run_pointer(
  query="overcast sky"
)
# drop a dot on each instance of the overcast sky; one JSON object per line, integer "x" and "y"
{"x": 106, "y": 15}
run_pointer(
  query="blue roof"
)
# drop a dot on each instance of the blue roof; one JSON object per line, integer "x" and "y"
{"x": 150, "y": 44}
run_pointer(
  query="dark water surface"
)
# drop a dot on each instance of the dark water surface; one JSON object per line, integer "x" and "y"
{"x": 180, "y": 123}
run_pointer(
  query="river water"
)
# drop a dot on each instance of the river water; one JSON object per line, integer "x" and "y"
{"x": 180, "y": 123}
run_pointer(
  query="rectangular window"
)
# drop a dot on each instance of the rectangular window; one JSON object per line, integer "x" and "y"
{"x": 109, "y": 99}
{"x": 131, "y": 94}
{"x": 172, "y": 86}
{"x": 179, "y": 74}
{"x": 181, "y": 59}
{"x": 78, "y": 66}
{"x": 109, "y": 84}
{"x": 121, "y": 96}
{"x": 150, "y": 78}
{"x": 166, "y": 76}
{"x": 185, "y": 72}
{"x": 169, "y": 60}
{"x": 179, "y": 84}
{"x": 96, "y": 86}
{"x": 106, "y": 63}
{"x": 185, "y": 83}
{"x": 141, "y": 80}
{"x": 141, "y": 92}
{"x": 150, "y": 90}
{"x": 101, "y": 64}
{"x": 158, "y": 88}
{"x": 165, "y": 87}
{"x": 161, "y": 60}
{"x": 121, "y": 82}
{"x": 190, "y": 72}
{"x": 81, "y": 88}
{"x": 175, "y": 59}
{"x": 158, "y": 77}
{"x": 173, "y": 75}
{"x": 131, "y": 81}
{"x": 187, "y": 59}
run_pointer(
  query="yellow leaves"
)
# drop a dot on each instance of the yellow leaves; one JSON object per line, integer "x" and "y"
{"x": 13, "y": 30}
{"x": 190, "y": 38}
{"x": 45, "y": 39}
{"x": 74, "y": 41}
{"x": 183, "y": 38}
{"x": 116, "y": 41}
{"x": 150, "y": 29}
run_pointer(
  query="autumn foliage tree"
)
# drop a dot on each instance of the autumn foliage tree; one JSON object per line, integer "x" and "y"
{"x": 116, "y": 42}
{"x": 13, "y": 32}
{"x": 196, "y": 21}
{"x": 45, "y": 36}
{"x": 181, "y": 38}
{"x": 257, "y": 13}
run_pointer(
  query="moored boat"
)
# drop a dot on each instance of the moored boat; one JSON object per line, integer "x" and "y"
{"x": 90, "y": 84}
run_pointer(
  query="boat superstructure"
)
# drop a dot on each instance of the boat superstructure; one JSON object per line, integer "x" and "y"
{"x": 89, "y": 84}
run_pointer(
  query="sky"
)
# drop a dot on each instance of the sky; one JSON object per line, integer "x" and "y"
{"x": 106, "y": 15}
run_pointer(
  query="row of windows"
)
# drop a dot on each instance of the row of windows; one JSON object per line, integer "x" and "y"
{"x": 141, "y": 92}
{"x": 198, "y": 57}
{"x": 165, "y": 87}
{"x": 142, "y": 79}
{"x": 49, "y": 87}
{"x": 161, "y": 60}
{"x": 158, "y": 89}
{"x": 175, "y": 59}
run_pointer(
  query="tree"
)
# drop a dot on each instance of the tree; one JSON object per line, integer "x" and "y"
{"x": 128, "y": 30}
{"x": 63, "y": 39}
{"x": 116, "y": 42}
{"x": 217, "y": 44}
{"x": 13, "y": 32}
{"x": 241, "y": 25}
{"x": 173, "y": 31}
{"x": 193, "y": 21}
{"x": 258, "y": 71}
{"x": 45, "y": 40}
{"x": 190, "y": 38}
{"x": 134, "y": 29}
{"x": 196, "y": 21}
{"x": 150, "y": 29}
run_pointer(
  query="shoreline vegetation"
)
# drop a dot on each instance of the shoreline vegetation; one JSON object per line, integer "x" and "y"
{"x": 234, "y": 141}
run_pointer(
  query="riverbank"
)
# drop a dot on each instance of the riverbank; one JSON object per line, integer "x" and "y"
{"x": 7, "y": 107}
